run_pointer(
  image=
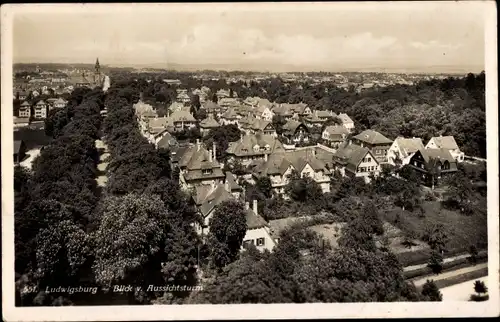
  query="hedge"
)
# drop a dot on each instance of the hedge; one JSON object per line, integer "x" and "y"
{"x": 456, "y": 264}
{"x": 479, "y": 298}
{"x": 469, "y": 276}
{"x": 422, "y": 256}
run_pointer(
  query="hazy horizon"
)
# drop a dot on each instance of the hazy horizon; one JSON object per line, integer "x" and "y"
{"x": 434, "y": 37}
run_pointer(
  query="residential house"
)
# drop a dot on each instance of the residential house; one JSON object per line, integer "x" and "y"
{"x": 19, "y": 151}
{"x": 230, "y": 117}
{"x": 228, "y": 102}
{"x": 181, "y": 120}
{"x": 334, "y": 135}
{"x": 165, "y": 140}
{"x": 60, "y": 103}
{"x": 433, "y": 162}
{"x": 347, "y": 122}
{"x": 298, "y": 110}
{"x": 35, "y": 93}
{"x": 264, "y": 112}
{"x": 295, "y": 132}
{"x": 25, "y": 110}
{"x": 197, "y": 165}
{"x": 448, "y": 143}
{"x": 255, "y": 101}
{"x": 223, "y": 93}
{"x": 182, "y": 96}
{"x": 201, "y": 94}
{"x": 252, "y": 125}
{"x": 50, "y": 103}
{"x": 213, "y": 109}
{"x": 175, "y": 106}
{"x": 22, "y": 95}
{"x": 403, "y": 149}
{"x": 244, "y": 110}
{"x": 279, "y": 166}
{"x": 144, "y": 112}
{"x": 40, "y": 110}
{"x": 207, "y": 124}
{"x": 155, "y": 126}
{"x": 232, "y": 185}
{"x": 318, "y": 118}
{"x": 253, "y": 147}
{"x": 352, "y": 160}
{"x": 206, "y": 199}
{"x": 283, "y": 111}
{"x": 377, "y": 143}
{"x": 258, "y": 230}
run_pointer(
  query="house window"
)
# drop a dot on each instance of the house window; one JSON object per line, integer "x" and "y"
{"x": 260, "y": 241}
{"x": 368, "y": 159}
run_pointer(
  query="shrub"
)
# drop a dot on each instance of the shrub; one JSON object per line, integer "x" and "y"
{"x": 479, "y": 298}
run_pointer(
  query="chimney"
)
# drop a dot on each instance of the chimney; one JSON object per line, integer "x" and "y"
{"x": 214, "y": 150}
{"x": 265, "y": 157}
{"x": 210, "y": 155}
{"x": 226, "y": 186}
{"x": 247, "y": 205}
{"x": 197, "y": 144}
{"x": 255, "y": 206}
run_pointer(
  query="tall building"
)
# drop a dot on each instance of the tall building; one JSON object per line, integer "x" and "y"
{"x": 96, "y": 79}
{"x": 97, "y": 72}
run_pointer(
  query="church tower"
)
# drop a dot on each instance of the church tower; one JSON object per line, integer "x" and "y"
{"x": 97, "y": 73}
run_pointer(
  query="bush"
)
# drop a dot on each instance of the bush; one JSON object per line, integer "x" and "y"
{"x": 479, "y": 298}
{"x": 430, "y": 196}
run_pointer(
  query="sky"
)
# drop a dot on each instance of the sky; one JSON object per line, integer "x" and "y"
{"x": 310, "y": 36}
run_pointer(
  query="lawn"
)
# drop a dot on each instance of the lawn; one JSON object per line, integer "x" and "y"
{"x": 330, "y": 232}
{"x": 462, "y": 230}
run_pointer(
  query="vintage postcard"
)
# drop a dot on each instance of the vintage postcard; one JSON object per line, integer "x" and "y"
{"x": 256, "y": 161}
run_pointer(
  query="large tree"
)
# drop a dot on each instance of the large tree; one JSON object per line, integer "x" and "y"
{"x": 227, "y": 230}
{"x": 130, "y": 241}
{"x": 431, "y": 292}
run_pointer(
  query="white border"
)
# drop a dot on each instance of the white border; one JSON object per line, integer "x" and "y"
{"x": 255, "y": 311}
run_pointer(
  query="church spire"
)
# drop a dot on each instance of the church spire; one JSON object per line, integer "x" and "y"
{"x": 97, "y": 66}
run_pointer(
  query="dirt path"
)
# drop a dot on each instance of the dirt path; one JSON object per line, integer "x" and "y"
{"x": 421, "y": 281}
{"x": 103, "y": 164}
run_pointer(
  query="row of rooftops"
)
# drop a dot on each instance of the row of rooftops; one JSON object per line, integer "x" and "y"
{"x": 42, "y": 103}
{"x": 208, "y": 197}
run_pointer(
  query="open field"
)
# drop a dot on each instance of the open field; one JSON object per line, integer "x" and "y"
{"x": 330, "y": 232}
{"x": 461, "y": 230}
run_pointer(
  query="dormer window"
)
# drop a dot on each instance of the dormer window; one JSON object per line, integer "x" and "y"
{"x": 206, "y": 171}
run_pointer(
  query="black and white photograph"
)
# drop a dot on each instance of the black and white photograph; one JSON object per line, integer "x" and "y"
{"x": 241, "y": 159}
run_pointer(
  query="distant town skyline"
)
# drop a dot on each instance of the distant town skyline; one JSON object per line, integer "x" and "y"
{"x": 430, "y": 37}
